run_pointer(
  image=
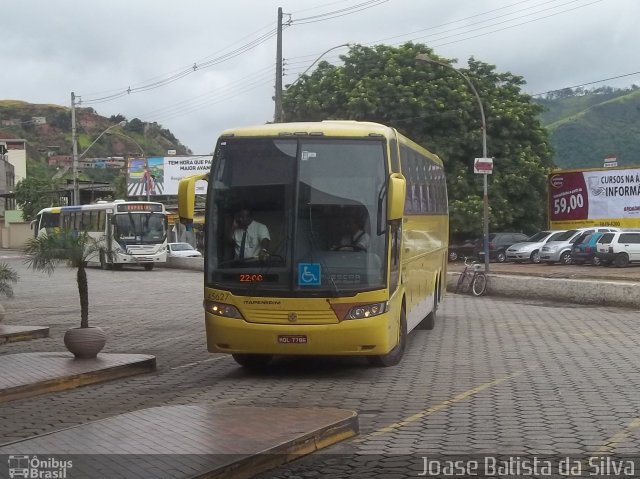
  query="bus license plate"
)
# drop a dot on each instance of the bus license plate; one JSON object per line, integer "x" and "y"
{"x": 292, "y": 339}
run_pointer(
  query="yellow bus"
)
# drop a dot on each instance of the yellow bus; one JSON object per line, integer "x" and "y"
{"x": 307, "y": 291}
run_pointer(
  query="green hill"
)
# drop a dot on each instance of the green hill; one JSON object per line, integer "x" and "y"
{"x": 584, "y": 127}
{"x": 54, "y": 136}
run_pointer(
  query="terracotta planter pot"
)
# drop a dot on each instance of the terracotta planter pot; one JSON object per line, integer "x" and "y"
{"x": 85, "y": 343}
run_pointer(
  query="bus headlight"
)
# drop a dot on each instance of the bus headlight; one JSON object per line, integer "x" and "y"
{"x": 366, "y": 310}
{"x": 222, "y": 309}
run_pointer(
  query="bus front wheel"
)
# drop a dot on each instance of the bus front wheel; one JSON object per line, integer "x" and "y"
{"x": 394, "y": 356}
{"x": 252, "y": 361}
{"x": 148, "y": 267}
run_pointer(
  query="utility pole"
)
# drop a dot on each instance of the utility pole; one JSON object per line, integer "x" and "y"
{"x": 74, "y": 141}
{"x": 277, "y": 116}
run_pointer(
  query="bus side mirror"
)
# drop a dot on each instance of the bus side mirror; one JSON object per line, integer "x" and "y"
{"x": 397, "y": 193}
{"x": 187, "y": 197}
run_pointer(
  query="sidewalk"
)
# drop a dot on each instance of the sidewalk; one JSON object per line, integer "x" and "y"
{"x": 30, "y": 374}
{"x": 586, "y": 284}
{"x": 202, "y": 440}
{"x": 189, "y": 441}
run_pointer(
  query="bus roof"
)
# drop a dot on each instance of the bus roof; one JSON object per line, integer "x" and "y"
{"x": 93, "y": 206}
{"x": 347, "y": 128}
{"x": 330, "y": 128}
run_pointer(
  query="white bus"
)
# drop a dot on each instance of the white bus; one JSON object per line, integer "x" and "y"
{"x": 134, "y": 232}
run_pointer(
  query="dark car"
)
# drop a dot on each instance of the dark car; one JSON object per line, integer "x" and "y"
{"x": 498, "y": 244}
{"x": 584, "y": 249}
{"x": 462, "y": 248}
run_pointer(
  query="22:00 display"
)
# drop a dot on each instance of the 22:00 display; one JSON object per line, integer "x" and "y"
{"x": 251, "y": 278}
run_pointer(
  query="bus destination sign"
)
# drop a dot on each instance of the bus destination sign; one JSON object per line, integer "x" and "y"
{"x": 144, "y": 207}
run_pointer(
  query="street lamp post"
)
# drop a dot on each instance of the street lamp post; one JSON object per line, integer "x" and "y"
{"x": 425, "y": 59}
{"x": 146, "y": 161}
{"x": 316, "y": 61}
{"x": 279, "y": 110}
{"x": 76, "y": 157}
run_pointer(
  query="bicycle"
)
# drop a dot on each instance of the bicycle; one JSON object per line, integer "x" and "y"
{"x": 472, "y": 279}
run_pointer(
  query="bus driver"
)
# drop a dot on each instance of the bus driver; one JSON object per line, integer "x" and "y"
{"x": 250, "y": 238}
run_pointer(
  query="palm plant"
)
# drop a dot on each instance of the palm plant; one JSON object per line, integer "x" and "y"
{"x": 8, "y": 277}
{"x": 46, "y": 252}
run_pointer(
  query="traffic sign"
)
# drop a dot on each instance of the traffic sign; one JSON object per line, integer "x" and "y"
{"x": 483, "y": 166}
{"x": 610, "y": 161}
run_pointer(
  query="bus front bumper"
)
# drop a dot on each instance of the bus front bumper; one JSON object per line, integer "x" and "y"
{"x": 361, "y": 337}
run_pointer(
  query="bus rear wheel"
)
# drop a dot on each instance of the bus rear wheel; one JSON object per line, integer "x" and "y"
{"x": 252, "y": 361}
{"x": 394, "y": 356}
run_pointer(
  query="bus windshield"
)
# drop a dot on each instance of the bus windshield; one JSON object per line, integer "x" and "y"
{"x": 139, "y": 228}
{"x": 322, "y": 204}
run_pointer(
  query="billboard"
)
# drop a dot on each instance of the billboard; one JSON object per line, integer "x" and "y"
{"x": 607, "y": 197}
{"x": 160, "y": 175}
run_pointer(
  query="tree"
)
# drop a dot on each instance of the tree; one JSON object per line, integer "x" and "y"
{"x": 34, "y": 193}
{"x": 117, "y": 118}
{"x": 8, "y": 277}
{"x": 135, "y": 126}
{"x": 46, "y": 252}
{"x": 435, "y": 107}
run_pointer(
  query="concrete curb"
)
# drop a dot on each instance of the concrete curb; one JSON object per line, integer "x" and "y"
{"x": 189, "y": 441}
{"x": 31, "y": 374}
{"x": 11, "y": 334}
{"x": 580, "y": 291}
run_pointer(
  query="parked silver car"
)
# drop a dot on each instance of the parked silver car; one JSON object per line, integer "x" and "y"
{"x": 559, "y": 250}
{"x": 530, "y": 250}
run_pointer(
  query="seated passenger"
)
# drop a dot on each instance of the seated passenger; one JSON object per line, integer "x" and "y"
{"x": 355, "y": 238}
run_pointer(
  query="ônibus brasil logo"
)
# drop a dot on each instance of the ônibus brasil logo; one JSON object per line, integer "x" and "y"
{"x": 36, "y": 468}
{"x": 557, "y": 181}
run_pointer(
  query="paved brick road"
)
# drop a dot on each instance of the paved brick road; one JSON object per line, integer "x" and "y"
{"x": 496, "y": 376}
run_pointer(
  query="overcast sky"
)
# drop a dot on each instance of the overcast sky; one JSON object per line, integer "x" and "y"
{"x": 99, "y": 49}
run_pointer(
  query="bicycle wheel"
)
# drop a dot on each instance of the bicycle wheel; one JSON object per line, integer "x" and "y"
{"x": 461, "y": 280}
{"x": 479, "y": 284}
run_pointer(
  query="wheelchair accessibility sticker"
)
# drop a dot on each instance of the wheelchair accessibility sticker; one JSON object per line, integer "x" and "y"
{"x": 309, "y": 274}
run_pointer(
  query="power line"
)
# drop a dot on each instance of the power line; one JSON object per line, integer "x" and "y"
{"x": 231, "y": 93}
{"x": 163, "y": 81}
{"x": 453, "y": 22}
{"x": 318, "y": 7}
{"x": 510, "y": 26}
{"x": 181, "y": 74}
{"x": 338, "y": 13}
{"x": 588, "y": 83}
{"x": 183, "y": 108}
{"x": 256, "y": 80}
{"x": 269, "y": 27}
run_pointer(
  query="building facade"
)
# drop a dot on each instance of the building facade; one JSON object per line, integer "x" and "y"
{"x": 7, "y": 181}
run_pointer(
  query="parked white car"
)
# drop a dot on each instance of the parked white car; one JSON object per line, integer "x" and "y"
{"x": 530, "y": 250}
{"x": 619, "y": 248}
{"x": 559, "y": 250}
{"x": 182, "y": 250}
